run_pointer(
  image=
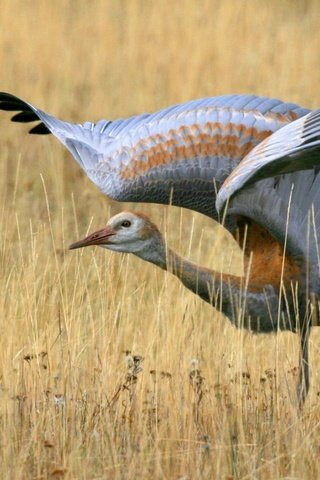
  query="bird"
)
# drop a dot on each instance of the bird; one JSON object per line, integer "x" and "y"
{"x": 248, "y": 162}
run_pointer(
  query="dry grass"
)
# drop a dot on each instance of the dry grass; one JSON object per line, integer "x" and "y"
{"x": 205, "y": 401}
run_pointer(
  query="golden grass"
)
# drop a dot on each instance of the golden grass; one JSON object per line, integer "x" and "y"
{"x": 205, "y": 401}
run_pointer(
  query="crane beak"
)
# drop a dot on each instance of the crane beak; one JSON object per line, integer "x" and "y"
{"x": 100, "y": 237}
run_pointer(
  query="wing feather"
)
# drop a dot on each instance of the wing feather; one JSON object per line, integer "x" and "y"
{"x": 181, "y": 154}
{"x": 292, "y": 148}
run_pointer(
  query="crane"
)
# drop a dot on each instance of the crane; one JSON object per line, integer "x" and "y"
{"x": 249, "y": 162}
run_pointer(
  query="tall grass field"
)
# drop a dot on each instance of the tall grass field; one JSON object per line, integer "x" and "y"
{"x": 109, "y": 367}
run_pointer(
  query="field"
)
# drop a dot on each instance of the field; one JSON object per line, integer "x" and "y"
{"x": 109, "y": 368}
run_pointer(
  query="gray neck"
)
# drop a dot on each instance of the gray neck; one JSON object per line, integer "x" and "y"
{"x": 210, "y": 285}
{"x": 206, "y": 283}
{"x": 255, "y": 310}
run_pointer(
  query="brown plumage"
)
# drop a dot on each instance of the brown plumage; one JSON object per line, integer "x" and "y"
{"x": 265, "y": 258}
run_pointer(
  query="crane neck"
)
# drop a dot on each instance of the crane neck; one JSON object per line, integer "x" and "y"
{"x": 252, "y": 299}
{"x": 200, "y": 280}
{"x": 205, "y": 282}
{"x": 253, "y": 303}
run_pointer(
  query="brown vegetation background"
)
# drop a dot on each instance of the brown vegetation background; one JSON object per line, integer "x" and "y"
{"x": 77, "y": 401}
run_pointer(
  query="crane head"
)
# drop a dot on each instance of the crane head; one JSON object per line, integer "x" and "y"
{"x": 127, "y": 232}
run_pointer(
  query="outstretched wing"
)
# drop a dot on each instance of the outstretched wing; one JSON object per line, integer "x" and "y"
{"x": 180, "y": 155}
{"x": 295, "y": 147}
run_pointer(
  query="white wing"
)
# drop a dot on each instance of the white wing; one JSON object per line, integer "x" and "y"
{"x": 179, "y": 155}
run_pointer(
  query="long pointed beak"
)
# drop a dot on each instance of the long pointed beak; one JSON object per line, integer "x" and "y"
{"x": 100, "y": 237}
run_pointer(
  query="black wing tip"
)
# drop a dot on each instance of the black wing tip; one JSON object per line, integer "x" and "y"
{"x": 40, "y": 129}
{"x": 25, "y": 117}
{"x": 11, "y": 103}
{"x": 8, "y": 96}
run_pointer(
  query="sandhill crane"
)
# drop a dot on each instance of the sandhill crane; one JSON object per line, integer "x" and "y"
{"x": 255, "y": 155}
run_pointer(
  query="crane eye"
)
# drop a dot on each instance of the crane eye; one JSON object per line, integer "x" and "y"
{"x": 126, "y": 223}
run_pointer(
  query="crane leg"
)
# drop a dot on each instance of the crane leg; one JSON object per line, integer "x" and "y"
{"x": 304, "y": 380}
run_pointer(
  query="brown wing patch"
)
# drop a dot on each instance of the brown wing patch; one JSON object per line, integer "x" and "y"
{"x": 197, "y": 140}
{"x": 187, "y": 142}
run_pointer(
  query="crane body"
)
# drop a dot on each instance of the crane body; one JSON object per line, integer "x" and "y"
{"x": 251, "y": 161}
